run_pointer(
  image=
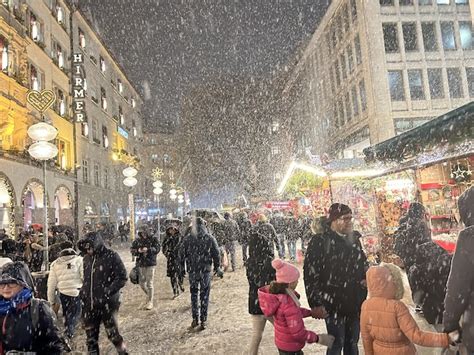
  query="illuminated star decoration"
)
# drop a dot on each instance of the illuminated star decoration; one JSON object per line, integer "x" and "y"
{"x": 460, "y": 173}
{"x": 157, "y": 173}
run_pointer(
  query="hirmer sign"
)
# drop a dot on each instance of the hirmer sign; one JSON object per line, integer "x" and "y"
{"x": 78, "y": 87}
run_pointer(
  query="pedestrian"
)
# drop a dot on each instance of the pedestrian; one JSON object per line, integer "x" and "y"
{"x": 281, "y": 301}
{"x": 244, "y": 226}
{"x": 104, "y": 276}
{"x": 278, "y": 221}
{"x": 387, "y": 327}
{"x": 28, "y": 323}
{"x": 459, "y": 302}
{"x": 293, "y": 235}
{"x": 334, "y": 277}
{"x": 173, "y": 250}
{"x": 7, "y": 251}
{"x": 146, "y": 248}
{"x": 200, "y": 253}
{"x": 123, "y": 232}
{"x": 66, "y": 276}
{"x": 231, "y": 234}
{"x": 259, "y": 273}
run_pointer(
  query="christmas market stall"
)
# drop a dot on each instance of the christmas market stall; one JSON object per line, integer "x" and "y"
{"x": 441, "y": 155}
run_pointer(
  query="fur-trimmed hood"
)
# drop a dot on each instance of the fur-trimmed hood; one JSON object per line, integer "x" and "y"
{"x": 385, "y": 281}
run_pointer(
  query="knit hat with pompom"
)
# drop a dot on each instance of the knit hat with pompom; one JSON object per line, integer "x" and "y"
{"x": 285, "y": 272}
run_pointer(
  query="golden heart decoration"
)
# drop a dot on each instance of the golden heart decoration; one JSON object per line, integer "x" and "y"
{"x": 41, "y": 100}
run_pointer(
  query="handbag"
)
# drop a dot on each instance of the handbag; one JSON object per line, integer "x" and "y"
{"x": 134, "y": 275}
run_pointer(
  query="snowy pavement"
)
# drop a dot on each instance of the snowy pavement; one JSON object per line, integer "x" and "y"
{"x": 164, "y": 330}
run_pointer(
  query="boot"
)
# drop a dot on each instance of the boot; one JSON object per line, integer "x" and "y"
{"x": 149, "y": 306}
{"x": 194, "y": 324}
{"x": 202, "y": 326}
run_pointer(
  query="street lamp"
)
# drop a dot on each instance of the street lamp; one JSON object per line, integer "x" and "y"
{"x": 41, "y": 133}
{"x": 130, "y": 181}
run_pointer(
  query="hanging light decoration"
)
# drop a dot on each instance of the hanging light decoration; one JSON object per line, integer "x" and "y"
{"x": 42, "y": 132}
{"x": 130, "y": 172}
{"x": 130, "y": 181}
{"x": 157, "y": 190}
{"x": 173, "y": 192}
{"x": 173, "y": 197}
{"x": 43, "y": 150}
{"x": 158, "y": 184}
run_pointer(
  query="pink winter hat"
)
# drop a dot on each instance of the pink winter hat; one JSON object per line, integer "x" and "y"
{"x": 285, "y": 272}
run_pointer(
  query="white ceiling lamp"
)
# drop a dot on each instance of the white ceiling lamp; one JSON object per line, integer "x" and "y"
{"x": 42, "y": 132}
{"x": 130, "y": 181}
{"x": 157, "y": 190}
{"x": 43, "y": 150}
{"x": 130, "y": 172}
{"x": 158, "y": 184}
{"x": 173, "y": 192}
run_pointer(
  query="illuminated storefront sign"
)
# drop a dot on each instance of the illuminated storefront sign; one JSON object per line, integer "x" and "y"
{"x": 78, "y": 87}
{"x": 122, "y": 132}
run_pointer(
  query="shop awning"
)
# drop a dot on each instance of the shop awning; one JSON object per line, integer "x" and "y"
{"x": 452, "y": 132}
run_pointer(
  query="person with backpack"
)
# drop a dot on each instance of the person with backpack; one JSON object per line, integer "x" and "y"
{"x": 334, "y": 277}
{"x": 66, "y": 276}
{"x": 28, "y": 323}
{"x": 104, "y": 276}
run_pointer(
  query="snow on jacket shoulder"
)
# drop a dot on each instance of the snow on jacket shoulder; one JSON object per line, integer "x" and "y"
{"x": 387, "y": 327}
{"x": 290, "y": 332}
{"x": 66, "y": 275}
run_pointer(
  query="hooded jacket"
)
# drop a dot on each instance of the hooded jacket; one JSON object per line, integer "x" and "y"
{"x": 200, "y": 249}
{"x": 19, "y": 331}
{"x": 459, "y": 299}
{"x": 146, "y": 240}
{"x": 387, "y": 327}
{"x": 104, "y": 276}
{"x": 290, "y": 332}
{"x": 66, "y": 274}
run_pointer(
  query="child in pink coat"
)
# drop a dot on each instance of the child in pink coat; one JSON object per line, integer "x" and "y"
{"x": 281, "y": 301}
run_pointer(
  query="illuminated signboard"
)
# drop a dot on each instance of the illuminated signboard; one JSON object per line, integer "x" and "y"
{"x": 78, "y": 88}
{"x": 122, "y": 132}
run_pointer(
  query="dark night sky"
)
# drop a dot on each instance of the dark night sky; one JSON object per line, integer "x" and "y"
{"x": 166, "y": 46}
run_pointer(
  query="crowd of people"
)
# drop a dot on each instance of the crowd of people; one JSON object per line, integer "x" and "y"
{"x": 353, "y": 298}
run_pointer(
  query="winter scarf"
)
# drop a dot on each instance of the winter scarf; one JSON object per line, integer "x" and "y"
{"x": 20, "y": 300}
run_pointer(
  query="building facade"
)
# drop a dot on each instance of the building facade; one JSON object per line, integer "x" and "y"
{"x": 106, "y": 110}
{"x": 34, "y": 47}
{"x": 374, "y": 69}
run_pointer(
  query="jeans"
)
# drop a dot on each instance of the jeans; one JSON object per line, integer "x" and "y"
{"x": 346, "y": 332}
{"x": 72, "y": 312}
{"x": 292, "y": 249}
{"x": 146, "y": 281}
{"x": 200, "y": 283}
{"x": 281, "y": 250}
{"x": 245, "y": 247}
{"x": 92, "y": 328}
{"x": 176, "y": 283}
{"x": 230, "y": 249}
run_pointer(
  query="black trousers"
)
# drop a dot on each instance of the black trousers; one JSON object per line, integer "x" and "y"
{"x": 92, "y": 327}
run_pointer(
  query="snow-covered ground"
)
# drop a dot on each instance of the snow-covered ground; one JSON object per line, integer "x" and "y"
{"x": 164, "y": 330}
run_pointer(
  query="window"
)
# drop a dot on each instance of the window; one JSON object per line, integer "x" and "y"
{"x": 154, "y": 158}
{"x": 134, "y": 129}
{"x": 275, "y": 150}
{"x": 465, "y": 33}
{"x": 386, "y": 2}
{"x": 442, "y": 2}
{"x": 406, "y": 2}
{"x": 430, "y": 39}
{"x": 82, "y": 38}
{"x": 103, "y": 98}
{"x": 275, "y": 127}
{"x": 358, "y": 52}
{"x": 102, "y": 64}
{"x": 395, "y": 82}
{"x": 462, "y": 2}
{"x": 425, "y": 2}
{"x": 409, "y": 36}
{"x": 60, "y": 102}
{"x": 415, "y": 81}
{"x": 61, "y": 158}
{"x": 435, "y": 79}
{"x": 57, "y": 54}
{"x": 106, "y": 178}
{"x": 85, "y": 129}
{"x": 36, "y": 78}
{"x": 455, "y": 83}
{"x": 121, "y": 118}
{"x": 96, "y": 174}
{"x": 447, "y": 35}
{"x": 390, "y": 37}
{"x": 4, "y": 54}
{"x": 105, "y": 137}
{"x": 120, "y": 86}
{"x": 353, "y": 10}
{"x": 133, "y": 103}
{"x": 363, "y": 95}
{"x": 470, "y": 80}
{"x": 85, "y": 171}
{"x": 95, "y": 131}
{"x": 35, "y": 28}
{"x": 355, "y": 101}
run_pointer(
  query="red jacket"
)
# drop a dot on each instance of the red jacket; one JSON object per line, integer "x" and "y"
{"x": 290, "y": 333}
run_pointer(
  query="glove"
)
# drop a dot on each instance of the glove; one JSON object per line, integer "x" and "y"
{"x": 219, "y": 272}
{"x": 454, "y": 341}
{"x": 325, "y": 340}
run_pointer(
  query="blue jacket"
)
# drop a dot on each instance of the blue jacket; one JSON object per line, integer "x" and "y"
{"x": 200, "y": 250}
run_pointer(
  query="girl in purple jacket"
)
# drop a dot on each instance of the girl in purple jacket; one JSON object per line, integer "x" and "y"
{"x": 281, "y": 301}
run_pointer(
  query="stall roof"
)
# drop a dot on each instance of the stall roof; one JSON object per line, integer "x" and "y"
{"x": 447, "y": 133}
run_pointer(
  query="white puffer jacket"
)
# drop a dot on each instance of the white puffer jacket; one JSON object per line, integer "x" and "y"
{"x": 66, "y": 275}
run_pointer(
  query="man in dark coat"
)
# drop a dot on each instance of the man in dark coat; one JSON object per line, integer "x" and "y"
{"x": 260, "y": 272}
{"x": 244, "y": 226}
{"x": 281, "y": 228}
{"x": 334, "y": 278}
{"x": 459, "y": 302}
{"x": 200, "y": 252}
{"x": 173, "y": 250}
{"x": 231, "y": 234}
{"x": 145, "y": 248}
{"x": 28, "y": 323}
{"x": 104, "y": 276}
